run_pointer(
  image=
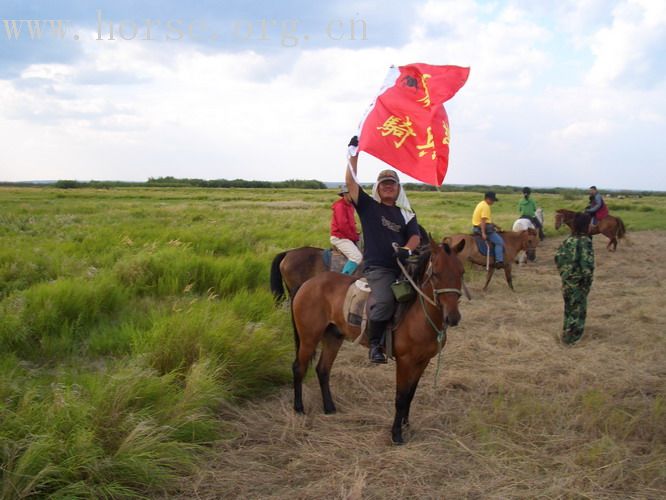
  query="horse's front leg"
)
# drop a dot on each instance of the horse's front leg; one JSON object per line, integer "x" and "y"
{"x": 408, "y": 374}
{"x": 330, "y": 347}
{"x": 405, "y": 418}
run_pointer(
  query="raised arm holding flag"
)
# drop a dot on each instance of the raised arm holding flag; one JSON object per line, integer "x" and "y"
{"x": 386, "y": 219}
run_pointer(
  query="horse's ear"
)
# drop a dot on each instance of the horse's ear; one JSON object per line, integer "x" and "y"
{"x": 433, "y": 245}
{"x": 459, "y": 247}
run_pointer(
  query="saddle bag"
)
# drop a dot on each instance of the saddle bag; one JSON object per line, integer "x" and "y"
{"x": 355, "y": 300}
{"x": 402, "y": 290}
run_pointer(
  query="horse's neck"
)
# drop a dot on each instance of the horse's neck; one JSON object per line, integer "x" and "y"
{"x": 513, "y": 241}
{"x": 539, "y": 215}
{"x": 420, "y": 307}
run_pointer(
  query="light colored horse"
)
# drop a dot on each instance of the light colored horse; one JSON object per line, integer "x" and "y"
{"x": 523, "y": 225}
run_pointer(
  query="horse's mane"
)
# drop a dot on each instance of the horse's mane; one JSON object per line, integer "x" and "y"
{"x": 424, "y": 258}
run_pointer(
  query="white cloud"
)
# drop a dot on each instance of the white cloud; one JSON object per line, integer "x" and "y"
{"x": 134, "y": 110}
{"x": 632, "y": 45}
{"x": 583, "y": 130}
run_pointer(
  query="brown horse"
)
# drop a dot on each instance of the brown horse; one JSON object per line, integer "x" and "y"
{"x": 514, "y": 242}
{"x": 611, "y": 227}
{"x": 317, "y": 317}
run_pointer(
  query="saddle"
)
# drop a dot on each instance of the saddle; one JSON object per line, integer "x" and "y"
{"x": 334, "y": 260}
{"x": 355, "y": 311}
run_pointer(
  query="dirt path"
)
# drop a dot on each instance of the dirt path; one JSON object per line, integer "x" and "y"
{"x": 514, "y": 412}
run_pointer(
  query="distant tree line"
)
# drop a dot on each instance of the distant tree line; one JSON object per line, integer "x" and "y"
{"x": 173, "y": 182}
{"x": 567, "y": 193}
{"x": 235, "y": 183}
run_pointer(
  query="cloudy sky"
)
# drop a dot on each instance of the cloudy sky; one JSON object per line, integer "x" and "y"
{"x": 561, "y": 92}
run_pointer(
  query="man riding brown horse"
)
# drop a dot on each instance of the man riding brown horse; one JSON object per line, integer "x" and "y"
{"x": 386, "y": 218}
{"x": 597, "y": 208}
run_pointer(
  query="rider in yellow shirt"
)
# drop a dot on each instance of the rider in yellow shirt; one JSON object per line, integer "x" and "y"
{"x": 482, "y": 220}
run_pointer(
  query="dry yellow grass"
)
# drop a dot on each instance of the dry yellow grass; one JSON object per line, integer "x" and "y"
{"x": 515, "y": 414}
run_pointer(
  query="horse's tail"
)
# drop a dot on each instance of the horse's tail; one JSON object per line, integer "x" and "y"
{"x": 276, "y": 278}
{"x": 621, "y": 230}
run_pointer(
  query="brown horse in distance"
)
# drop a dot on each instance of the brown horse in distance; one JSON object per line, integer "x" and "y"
{"x": 318, "y": 318}
{"x": 611, "y": 227}
{"x": 514, "y": 242}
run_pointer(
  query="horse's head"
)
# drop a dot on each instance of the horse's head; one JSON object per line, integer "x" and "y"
{"x": 558, "y": 219}
{"x": 530, "y": 242}
{"x": 564, "y": 216}
{"x": 446, "y": 275}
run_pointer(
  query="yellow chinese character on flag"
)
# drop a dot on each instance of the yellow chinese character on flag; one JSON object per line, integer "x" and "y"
{"x": 447, "y": 138}
{"x": 430, "y": 144}
{"x": 426, "y": 98}
{"x": 397, "y": 127}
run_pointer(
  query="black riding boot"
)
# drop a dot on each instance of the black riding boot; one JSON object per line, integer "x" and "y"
{"x": 375, "y": 332}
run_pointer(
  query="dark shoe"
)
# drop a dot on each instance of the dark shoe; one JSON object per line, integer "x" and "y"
{"x": 376, "y": 354}
{"x": 499, "y": 265}
{"x": 375, "y": 333}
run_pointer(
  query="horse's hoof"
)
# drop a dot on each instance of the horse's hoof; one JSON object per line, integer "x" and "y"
{"x": 397, "y": 440}
{"x": 330, "y": 411}
{"x": 299, "y": 409}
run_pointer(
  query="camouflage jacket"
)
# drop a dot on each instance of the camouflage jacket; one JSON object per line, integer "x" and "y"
{"x": 575, "y": 258}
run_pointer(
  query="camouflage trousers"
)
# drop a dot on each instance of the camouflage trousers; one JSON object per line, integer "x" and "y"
{"x": 575, "y": 309}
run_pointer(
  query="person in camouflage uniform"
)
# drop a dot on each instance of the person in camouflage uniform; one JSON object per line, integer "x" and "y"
{"x": 575, "y": 262}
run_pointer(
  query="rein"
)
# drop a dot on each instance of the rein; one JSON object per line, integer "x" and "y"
{"x": 435, "y": 291}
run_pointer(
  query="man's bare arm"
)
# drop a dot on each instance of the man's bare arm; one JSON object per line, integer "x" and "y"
{"x": 483, "y": 228}
{"x": 413, "y": 242}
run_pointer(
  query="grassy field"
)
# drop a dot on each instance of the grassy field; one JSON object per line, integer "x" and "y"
{"x": 137, "y": 323}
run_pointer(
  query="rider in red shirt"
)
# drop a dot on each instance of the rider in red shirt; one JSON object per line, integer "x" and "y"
{"x": 343, "y": 231}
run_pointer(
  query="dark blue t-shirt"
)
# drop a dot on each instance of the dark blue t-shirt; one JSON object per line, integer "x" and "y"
{"x": 382, "y": 225}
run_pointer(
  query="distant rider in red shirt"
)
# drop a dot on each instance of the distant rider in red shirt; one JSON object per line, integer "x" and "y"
{"x": 343, "y": 231}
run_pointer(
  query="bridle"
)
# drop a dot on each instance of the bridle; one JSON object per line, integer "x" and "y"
{"x": 436, "y": 292}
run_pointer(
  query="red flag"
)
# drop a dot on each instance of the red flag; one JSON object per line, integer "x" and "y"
{"x": 407, "y": 127}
